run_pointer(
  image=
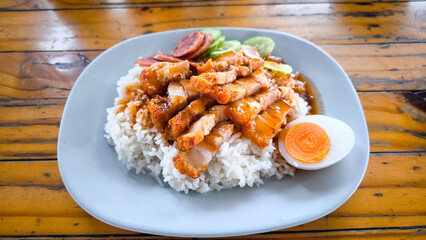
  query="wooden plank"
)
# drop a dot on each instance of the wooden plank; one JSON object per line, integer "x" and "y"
{"x": 23, "y": 115}
{"x": 32, "y": 102}
{"x": 384, "y": 201}
{"x": 42, "y": 173}
{"x": 360, "y": 234}
{"x": 42, "y": 225}
{"x": 33, "y": 133}
{"x": 415, "y": 233}
{"x": 41, "y": 75}
{"x": 382, "y": 67}
{"x": 34, "y": 141}
{"x": 35, "y": 200}
{"x": 28, "y": 150}
{"x": 29, "y": 132}
{"x": 52, "y": 74}
{"x": 395, "y": 170}
{"x": 395, "y": 122}
{"x": 359, "y": 222}
{"x": 72, "y": 4}
{"x": 100, "y": 29}
{"x": 26, "y": 225}
{"x": 38, "y": 200}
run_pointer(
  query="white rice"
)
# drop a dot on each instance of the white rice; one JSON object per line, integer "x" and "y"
{"x": 237, "y": 163}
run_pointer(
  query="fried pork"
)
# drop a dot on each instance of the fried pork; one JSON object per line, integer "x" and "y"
{"x": 179, "y": 123}
{"x": 213, "y": 66}
{"x": 246, "y": 109}
{"x": 156, "y": 78}
{"x": 163, "y": 108}
{"x": 264, "y": 127}
{"x": 205, "y": 81}
{"x": 241, "y": 88}
{"x": 196, "y": 160}
{"x": 201, "y": 127}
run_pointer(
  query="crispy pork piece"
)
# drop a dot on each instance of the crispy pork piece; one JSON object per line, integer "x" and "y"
{"x": 246, "y": 109}
{"x": 289, "y": 95}
{"x": 213, "y": 66}
{"x": 201, "y": 127}
{"x": 260, "y": 77}
{"x": 244, "y": 62}
{"x": 157, "y": 77}
{"x": 241, "y": 88}
{"x": 254, "y": 59}
{"x": 265, "y": 126}
{"x": 162, "y": 108}
{"x": 205, "y": 81}
{"x": 248, "y": 56}
{"x": 181, "y": 121}
{"x": 242, "y": 71}
{"x": 195, "y": 64}
{"x": 233, "y": 58}
{"x": 196, "y": 160}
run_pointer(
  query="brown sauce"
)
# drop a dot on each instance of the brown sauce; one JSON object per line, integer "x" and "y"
{"x": 310, "y": 96}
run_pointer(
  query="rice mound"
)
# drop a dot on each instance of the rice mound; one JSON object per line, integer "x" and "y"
{"x": 238, "y": 162}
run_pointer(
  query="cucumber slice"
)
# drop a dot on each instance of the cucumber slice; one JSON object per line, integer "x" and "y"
{"x": 264, "y": 45}
{"x": 214, "y": 32}
{"x": 216, "y": 44}
{"x": 280, "y": 68}
{"x": 287, "y": 69}
{"x": 271, "y": 66}
{"x": 227, "y": 46}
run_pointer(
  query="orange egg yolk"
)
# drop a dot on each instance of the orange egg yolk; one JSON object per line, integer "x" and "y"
{"x": 307, "y": 142}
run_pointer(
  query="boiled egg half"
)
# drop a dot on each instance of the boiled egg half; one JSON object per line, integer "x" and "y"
{"x": 315, "y": 141}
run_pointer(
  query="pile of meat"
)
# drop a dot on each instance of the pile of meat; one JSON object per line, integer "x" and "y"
{"x": 199, "y": 107}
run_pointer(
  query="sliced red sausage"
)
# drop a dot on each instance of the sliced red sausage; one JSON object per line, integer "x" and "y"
{"x": 204, "y": 45}
{"x": 146, "y": 61}
{"x": 188, "y": 44}
{"x": 166, "y": 57}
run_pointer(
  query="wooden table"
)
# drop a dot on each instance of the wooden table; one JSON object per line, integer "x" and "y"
{"x": 44, "y": 46}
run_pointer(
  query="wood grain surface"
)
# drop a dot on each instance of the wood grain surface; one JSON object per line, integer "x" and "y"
{"x": 320, "y": 23}
{"x": 83, "y": 4}
{"x": 45, "y": 45}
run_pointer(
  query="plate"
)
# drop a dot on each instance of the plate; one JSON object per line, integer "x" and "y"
{"x": 104, "y": 188}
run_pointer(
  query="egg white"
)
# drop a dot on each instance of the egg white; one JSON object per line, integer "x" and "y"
{"x": 340, "y": 135}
